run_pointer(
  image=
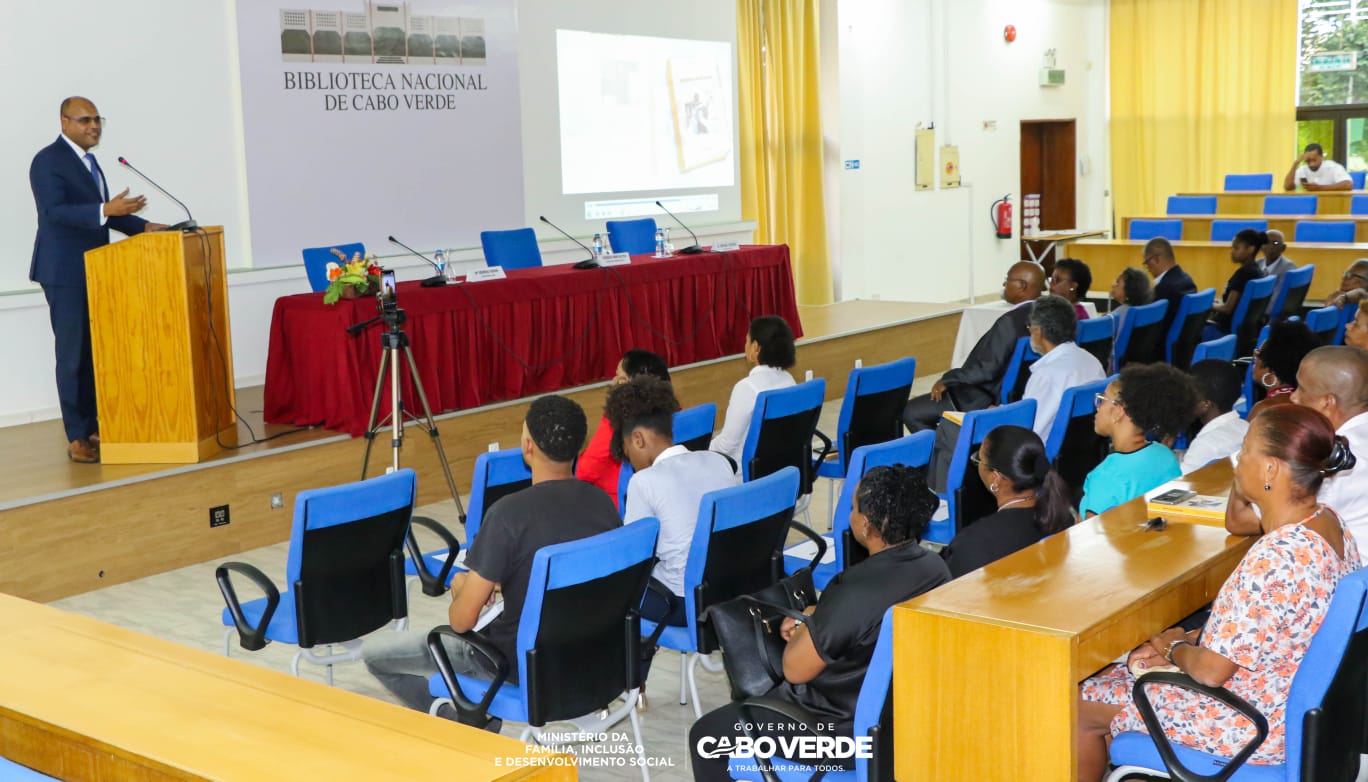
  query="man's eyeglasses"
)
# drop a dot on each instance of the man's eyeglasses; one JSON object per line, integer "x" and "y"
{"x": 86, "y": 120}
{"x": 1356, "y": 277}
{"x": 1022, "y": 283}
{"x": 1100, "y": 399}
{"x": 1278, "y": 244}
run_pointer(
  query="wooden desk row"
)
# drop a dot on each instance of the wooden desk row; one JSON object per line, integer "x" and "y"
{"x": 1198, "y": 227}
{"x": 1210, "y": 265}
{"x": 1333, "y": 202}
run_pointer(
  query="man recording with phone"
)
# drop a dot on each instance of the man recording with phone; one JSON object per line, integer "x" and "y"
{"x": 1314, "y": 172}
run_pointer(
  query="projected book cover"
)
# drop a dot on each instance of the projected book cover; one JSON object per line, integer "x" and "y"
{"x": 701, "y": 118}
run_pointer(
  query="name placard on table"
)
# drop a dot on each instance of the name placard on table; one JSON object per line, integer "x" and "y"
{"x": 487, "y": 273}
{"x": 725, "y": 247}
{"x": 615, "y": 259}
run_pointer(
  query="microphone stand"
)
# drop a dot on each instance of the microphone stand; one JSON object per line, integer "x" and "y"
{"x": 693, "y": 249}
{"x": 588, "y": 263}
{"x": 185, "y": 226}
{"x": 435, "y": 281}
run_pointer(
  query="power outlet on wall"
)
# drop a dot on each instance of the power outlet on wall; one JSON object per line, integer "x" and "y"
{"x": 218, "y": 516}
{"x": 277, "y": 501}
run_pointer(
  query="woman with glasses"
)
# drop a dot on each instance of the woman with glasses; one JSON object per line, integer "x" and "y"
{"x": 1356, "y": 333}
{"x": 1244, "y": 250}
{"x": 1277, "y": 360}
{"x": 1070, "y": 281}
{"x": 1147, "y": 402}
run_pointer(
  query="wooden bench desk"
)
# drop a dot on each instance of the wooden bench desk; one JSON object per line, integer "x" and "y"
{"x": 1329, "y": 202}
{"x": 987, "y": 667}
{"x": 81, "y": 699}
{"x": 1198, "y": 227}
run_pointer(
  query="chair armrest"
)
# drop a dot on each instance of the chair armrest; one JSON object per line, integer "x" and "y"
{"x": 820, "y": 454}
{"x": 433, "y": 585}
{"x": 811, "y": 535}
{"x": 671, "y": 600}
{"x": 467, "y": 711}
{"x": 251, "y": 638}
{"x": 1220, "y": 694}
{"x": 791, "y": 712}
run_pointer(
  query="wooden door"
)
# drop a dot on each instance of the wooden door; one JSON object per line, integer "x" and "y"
{"x": 1049, "y": 167}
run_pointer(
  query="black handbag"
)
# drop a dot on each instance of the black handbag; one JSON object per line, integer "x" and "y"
{"x": 747, "y": 629}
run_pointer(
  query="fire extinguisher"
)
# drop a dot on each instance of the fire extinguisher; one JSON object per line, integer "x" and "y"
{"x": 1001, "y": 215}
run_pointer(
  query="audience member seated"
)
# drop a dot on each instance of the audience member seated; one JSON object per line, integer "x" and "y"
{"x": 975, "y": 385}
{"x": 1062, "y": 363}
{"x": 1264, "y": 616}
{"x": 770, "y": 353}
{"x": 1071, "y": 280}
{"x": 669, "y": 485}
{"x": 1147, "y": 400}
{"x": 1277, "y": 360}
{"x": 1353, "y": 285}
{"x": 1244, "y": 250}
{"x": 1131, "y": 289}
{"x": 1171, "y": 283}
{"x": 556, "y": 508}
{"x": 1334, "y": 382}
{"x": 1314, "y": 171}
{"x": 1217, "y": 384}
{"x": 826, "y": 657}
{"x": 1032, "y": 499}
{"x": 596, "y": 465}
{"x": 1356, "y": 332}
{"x": 1274, "y": 262}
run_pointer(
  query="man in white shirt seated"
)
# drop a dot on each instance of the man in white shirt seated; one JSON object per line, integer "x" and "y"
{"x": 1062, "y": 363}
{"x": 1218, "y": 387}
{"x": 1314, "y": 172}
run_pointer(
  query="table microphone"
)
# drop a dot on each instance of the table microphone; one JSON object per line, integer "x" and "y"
{"x": 693, "y": 249}
{"x": 436, "y": 280}
{"x": 587, "y": 263}
{"x": 188, "y": 224}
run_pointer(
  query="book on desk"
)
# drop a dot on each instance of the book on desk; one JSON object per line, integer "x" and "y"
{"x": 1176, "y": 500}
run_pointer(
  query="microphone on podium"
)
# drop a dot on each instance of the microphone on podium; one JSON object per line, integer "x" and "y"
{"x": 187, "y": 224}
{"x": 587, "y": 263}
{"x": 435, "y": 281}
{"x": 693, "y": 249}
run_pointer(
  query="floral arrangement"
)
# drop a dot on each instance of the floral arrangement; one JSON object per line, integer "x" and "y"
{"x": 350, "y": 279}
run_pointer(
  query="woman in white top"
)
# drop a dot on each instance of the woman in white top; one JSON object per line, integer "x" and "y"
{"x": 769, "y": 352}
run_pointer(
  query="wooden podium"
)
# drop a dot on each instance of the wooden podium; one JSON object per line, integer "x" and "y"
{"x": 163, "y": 353}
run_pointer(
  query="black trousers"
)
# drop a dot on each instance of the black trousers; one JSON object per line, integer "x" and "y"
{"x": 721, "y": 724}
{"x": 922, "y": 412}
{"x": 656, "y": 609}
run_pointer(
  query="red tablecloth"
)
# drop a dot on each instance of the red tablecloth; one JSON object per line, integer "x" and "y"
{"x": 538, "y": 331}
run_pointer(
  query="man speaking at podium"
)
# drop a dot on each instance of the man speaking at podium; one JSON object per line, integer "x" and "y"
{"x": 75, "y": 213}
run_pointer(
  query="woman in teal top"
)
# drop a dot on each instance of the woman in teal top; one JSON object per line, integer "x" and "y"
{"x": 1148, "y": 401}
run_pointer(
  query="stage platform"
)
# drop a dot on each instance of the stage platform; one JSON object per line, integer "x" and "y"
{"x": 69, "y": 528}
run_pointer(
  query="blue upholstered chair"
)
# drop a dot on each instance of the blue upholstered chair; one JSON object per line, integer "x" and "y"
{"x": 1223, "y": 348}
{"x": 1191, "y": 205}
{"x": 1356, "y": 178}
{"x": 1248, "y": 182}
{"x": 345, "y": 573}
{"x": 871, "y": 412}
{"x": 1337, "y": 232}
{"x": 693, "y": 429}
{"x": 316, "y": 260}
{"x": 1148, "y": 229}
{"x": 578, "y": 646}
{"x": 1185, "y": 331}
{"x": 1225, "y": 230}
{"x": 964, "y": 492}
{"x": 782, "y": 428}
{"x": 1249, "y": 314}
{"x": 1141, "y": 337}
{"x": 515, "y": 249}
{"x": 1095, "y": 335}
{"x": 635, "y": 237}
{"x": 1292, "y": 293}
{"x": 1072, "y": 445}
{"x": 1358, "y": 205}
{"x": 14, "y": 772}
{"x": 1290, "y": 205}
{"x": 1324, "y": 322}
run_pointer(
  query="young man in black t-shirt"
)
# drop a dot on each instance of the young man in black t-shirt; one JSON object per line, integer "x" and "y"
{"x": 556, "y": 508}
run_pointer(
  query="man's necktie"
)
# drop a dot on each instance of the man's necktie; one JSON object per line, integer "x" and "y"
{"x": 95, "y": 173}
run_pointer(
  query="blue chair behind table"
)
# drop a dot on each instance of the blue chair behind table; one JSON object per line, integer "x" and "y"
{"x": 1249, "y": 313}
{"x": 871, "y": 708}
{"x": 1141, "y": 337}
{"x": 497, "y": 475}
{"x": 14, "y": 772}
{"x": 968, "y": 498}
{"x": 735, "y": 551}
{"x": 515, "y": 249}
{"x": 1356, "y": 178}
{"x": 579, "y": 636}
{"x": 1225, "y": 230}
{"x": 693, "y": 429}
{"x": 1325, "y": 709}
{"x": 1095, "y": 336}
{"x": 782, "y": 428}
{"x": 635, "y": 237}
{"x": 1071, "y": 444}
{"x": 1191, "y": 205}
{"x": 1148, "y": 229}
{"x": 1223, "y": 348}
{"x": 1336, "y": 232}
{"x": 1324, "y": 322}
{"x": 1358, "y": 205}
{"x": 1290, "y": 205}
{"x": 1018, "y": 371}
{"x": 1248, "y": 182}
{"x": 914, "y": 450}
{"x": 1292, "y": 293}
{"x": 1186, "y": 329}
{"x": 871, "y": 412}
{"x": 316, "y": 260}
{"x": 345, "y": 572}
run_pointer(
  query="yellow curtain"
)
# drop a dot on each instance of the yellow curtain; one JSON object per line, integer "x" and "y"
{"x": 1199, "y": 89}
{"x": 781, "y": 135}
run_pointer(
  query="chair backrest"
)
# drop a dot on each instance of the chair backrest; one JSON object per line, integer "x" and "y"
{"x": 1141, "y": 337}
{"x": 316, "y": 260}
{"x": 1223, "y": 348}
{"x": 969, "y": 498}
{"x": 913, "y": 450}
{"x": 636, "y": 237}
{"x": 1292, "y": 292}
{"x": 1324, "y": 322}
{"x": 873, "y": 712}
{"x": 736, "y": 544}
{"x": 1358, "y": 205}
{"x": 781, "y": 431}
{"x": 579, "y": 633}
{"x": 693, "y": 429}
{"x": 1018, "y": 371}
{"x": 1356, "y": 178}
{"x": 871, "y": 411}
{"x": 497, "y": 475}
{"x": 1225, "y": 230}
{"x": 1247, "y": 182}
{"x": 1290, "y": 205}
{"x": 1249, "y": 313}
{"x": 346, "y": 560}
{"x": 1185, "y": 331}
{"x": 1072, "y": 445}
{"x": 515, "y": 249}
{"x": 1095, "y": 336}
{"x": 1336, "y": 232}
{"x": 1191, "y": 205}
{"x": 1148, "y": 229}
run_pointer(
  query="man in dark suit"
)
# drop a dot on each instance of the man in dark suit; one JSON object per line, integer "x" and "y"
{"x": 1171, "y": 283}
{"x": 975, "y": 385}
{"x": 75, "y": 213}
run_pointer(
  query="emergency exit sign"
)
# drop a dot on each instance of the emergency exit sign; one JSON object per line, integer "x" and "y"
{"x": 1330, "y": 62}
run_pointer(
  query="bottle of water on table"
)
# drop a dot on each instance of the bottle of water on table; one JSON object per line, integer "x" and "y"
{"x": 660, "y": 243}
{"x": 439, "y": 261}
{"x": 598, "y": 245}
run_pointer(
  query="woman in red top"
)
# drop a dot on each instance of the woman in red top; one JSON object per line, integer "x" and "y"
{"x": 596, "y": 465}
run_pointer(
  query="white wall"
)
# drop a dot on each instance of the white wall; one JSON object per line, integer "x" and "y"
{"x": 904, "y": 62}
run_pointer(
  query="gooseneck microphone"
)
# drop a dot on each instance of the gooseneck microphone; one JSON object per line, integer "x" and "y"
{"x": 189, "y": 223}
{"x": 587, "y": 263}
{"x": 434, "y": 281}
{"x": 693, "y": 249}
